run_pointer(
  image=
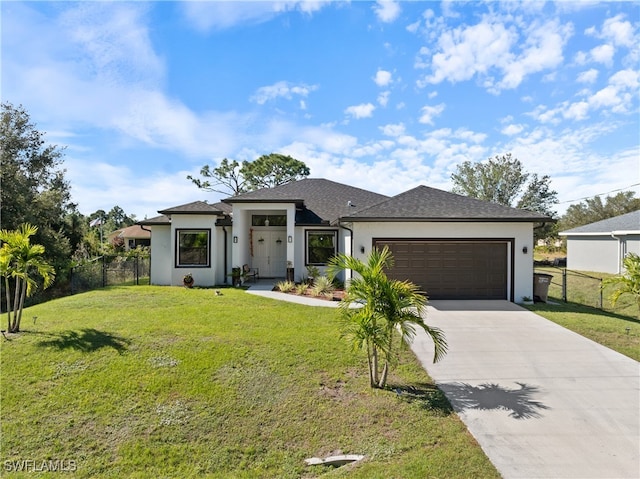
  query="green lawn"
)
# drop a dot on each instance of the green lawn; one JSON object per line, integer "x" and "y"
{"x": 145, "y": 381}
{"x": 616, "y": 327}
{"x": 618, "y": 332}
{"x": 583, "y": 287}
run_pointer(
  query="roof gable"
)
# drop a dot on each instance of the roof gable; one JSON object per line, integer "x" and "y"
{"x": 319, "y": 200}
{"x": 194, "y": 208}
{"x": 430, "y": 204}
{"x": 626, "y": 222}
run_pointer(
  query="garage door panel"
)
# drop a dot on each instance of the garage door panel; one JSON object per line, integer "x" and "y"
{"x": 451, "y": 270}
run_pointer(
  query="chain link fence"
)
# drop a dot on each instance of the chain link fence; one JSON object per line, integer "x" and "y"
{"x": 110, "y": 270}
{"x": 575, "y": 287}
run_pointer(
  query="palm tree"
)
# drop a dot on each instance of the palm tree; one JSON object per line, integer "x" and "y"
{"x": 629, "y": 282}
{"x": 382, "y": 306}
{"x": 22, "y": 261}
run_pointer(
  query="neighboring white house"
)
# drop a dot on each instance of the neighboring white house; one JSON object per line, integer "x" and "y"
{"x": 601, "y": 246}
{"x": 452, "y": 246}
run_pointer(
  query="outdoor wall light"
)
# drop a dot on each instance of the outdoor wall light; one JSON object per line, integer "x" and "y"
{"x": 289, "y": 239}
{"x": 525, "y": 249}
{"x": 235, "y": 239}
{"x": 362, "y": 249}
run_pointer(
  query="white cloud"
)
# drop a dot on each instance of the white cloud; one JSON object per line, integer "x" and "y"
{"x": 588, "y": 76}
{"x": 490, "y": 48}
{"x": 544, "y": 45}
{"x": 383, "y": 98}
{"x": 387, "y": 10}
{"x": 109, "y": 185}
{"x": 577, "y": 111}
{"x": 616, "y": 30}
{"x": 466, "y": 51}
{"x": 603, "y": 54}
{"x": 430, "y": 112}
{"x": 115, "y": 40}
{"x": 575, "y": 169}
{"x": 207, "y": 15}
{"x": 512, "y": 129}
{"x": 619, "y": 93}
{"x": 364, "y": 110}
{"x": 393, "y": 129}
{"x": 281, "y": 89}
{"x": 382, "y": 78}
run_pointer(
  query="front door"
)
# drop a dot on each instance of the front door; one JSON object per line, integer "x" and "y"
{"x": 270, "y": 253}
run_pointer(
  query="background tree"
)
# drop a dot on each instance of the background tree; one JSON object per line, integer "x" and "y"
{"x": 233, "y": 178}
{"x": 384, "y": 306}
{"x": 273, "y": 170}
{"x": 33, "y": 188}
{"x": 23, "y": 262}
{"x": 226, "y": 178}
{"x": 594, "y": 209}
{"x": 502, "y": 180}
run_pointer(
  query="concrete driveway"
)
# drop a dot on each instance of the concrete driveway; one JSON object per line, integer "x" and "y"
{"x": 542, "y": 401}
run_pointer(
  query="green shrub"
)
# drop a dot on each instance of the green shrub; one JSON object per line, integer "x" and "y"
{"x": 285, "y": 286}
{"x": 302, "y": 288}
{"x": 323, "y": 286}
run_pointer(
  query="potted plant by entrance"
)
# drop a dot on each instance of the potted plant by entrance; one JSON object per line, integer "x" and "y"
{"x": 236, "y": 274}
{"x": 187, "y": 280}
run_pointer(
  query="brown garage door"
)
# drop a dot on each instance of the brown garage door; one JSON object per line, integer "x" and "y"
{"x": 451, "y": 269}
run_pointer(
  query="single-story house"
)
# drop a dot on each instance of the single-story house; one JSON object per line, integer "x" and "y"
{"x": 452, "y": 246}
{"x": 131, "y": 236}
{"x": 601, "y": 246}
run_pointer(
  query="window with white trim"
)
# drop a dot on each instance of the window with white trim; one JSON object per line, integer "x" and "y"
{"x": 193, "y": 248}
{"x": 321, "y": 246}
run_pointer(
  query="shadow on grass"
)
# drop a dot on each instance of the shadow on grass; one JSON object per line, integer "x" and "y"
{"x": 490, "y": 396}
{"x": 426, "y": 396}
{"x": 87, "y": 340}
{"x": 557, "y": 305}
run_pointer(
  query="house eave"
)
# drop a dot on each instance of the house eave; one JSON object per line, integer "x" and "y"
{"x": 349, "y": 219}
{"x": 259, "y": 201}
{"x": 600, "y": 233}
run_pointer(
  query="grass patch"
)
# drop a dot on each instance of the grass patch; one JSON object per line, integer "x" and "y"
{"x": 583, "y": 287}
{"x": 615, "y": 331}
{"x": 175, "y": 382}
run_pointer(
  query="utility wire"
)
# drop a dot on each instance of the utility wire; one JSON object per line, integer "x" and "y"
{"x": 599, "y": 194}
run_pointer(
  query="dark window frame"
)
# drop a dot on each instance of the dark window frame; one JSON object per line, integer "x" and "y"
{"x": 307, "y": 258}
{"x": 179, "y": 232}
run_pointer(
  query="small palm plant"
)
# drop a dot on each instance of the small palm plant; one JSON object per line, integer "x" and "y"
{"x": 384, "y": 305}
{"x": 627, "y": 283}
{"x": 24, "y": 263}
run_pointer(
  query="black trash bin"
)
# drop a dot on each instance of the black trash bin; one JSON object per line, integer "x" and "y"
{"x": 541, "y": 284}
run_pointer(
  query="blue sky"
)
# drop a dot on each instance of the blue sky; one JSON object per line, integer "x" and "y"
{"x": 383, "y": 96}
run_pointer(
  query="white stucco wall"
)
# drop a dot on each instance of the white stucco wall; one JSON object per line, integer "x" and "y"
{"x": 633, "y": 244}
{"x": 203, "y": 276}
{"x": 600, "y": 253}
{"x": 161, "y": 255}
{"x": 240, "y": 250}
{"x": 521, "y": 233}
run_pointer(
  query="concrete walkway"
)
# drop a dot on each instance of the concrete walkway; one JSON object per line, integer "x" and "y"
{"x": 542, "y": 401}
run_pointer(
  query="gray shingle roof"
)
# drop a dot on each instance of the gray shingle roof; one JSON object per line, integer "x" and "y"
{"x": 626, "y": 222}
{"x": 430, "y": 204}
{"x": 195, "y": 208}
{"x": 156, "y": 221}
{"x": 319, "y": 200}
